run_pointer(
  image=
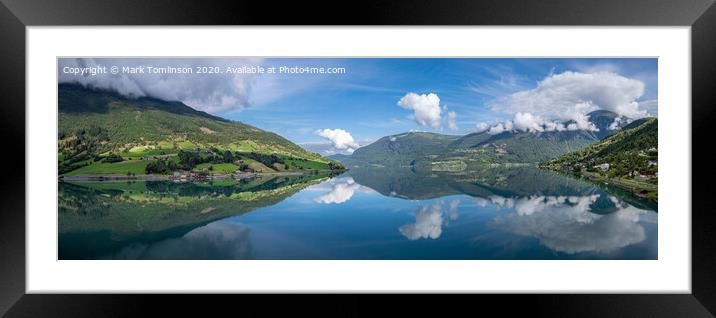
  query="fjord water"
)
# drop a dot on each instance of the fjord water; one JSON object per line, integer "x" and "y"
{"x": 375, "y": 213}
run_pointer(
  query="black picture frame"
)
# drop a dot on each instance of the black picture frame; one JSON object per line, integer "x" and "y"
{"x": 700, "y": 15}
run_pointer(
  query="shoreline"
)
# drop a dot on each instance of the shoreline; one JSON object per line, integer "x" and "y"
{"x": 182, "y": 178}
{"x": 636, "y": 188}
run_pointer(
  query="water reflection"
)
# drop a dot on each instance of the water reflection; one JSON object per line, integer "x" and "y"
{"x": 99, "y": 218}
{"x": 342, "y": 191}
{"x": 218, "y": 240}
{"x": 583, "y": 219}
{"x": 495, "y": 213}
{"x": 571, "y": 229}
{"x": 429, "y": 221}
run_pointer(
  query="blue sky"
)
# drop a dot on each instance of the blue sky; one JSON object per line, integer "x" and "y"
{"x": 365, "y": 102}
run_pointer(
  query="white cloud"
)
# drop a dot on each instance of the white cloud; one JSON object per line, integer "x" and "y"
{"x": 480, "y": 127}
{"x": 327, "y": 148}
{"x": 426, "y": 108}
{"x": 617, "y": 123}
{"x": 650, "y": 106}
{"x": 499, "y": 128}
{"x": 339, "y": 138}
{"x": 527, "y": 122}
{"x": 213, "y": 93}
{"x": 570, "y": 95}
{"x": 452, "y": 120}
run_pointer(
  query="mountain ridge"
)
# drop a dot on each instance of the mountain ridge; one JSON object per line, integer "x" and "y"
{"x": 150, "y": 123}
{"x": 110, "y": 133}
{"x": 454, "y": 151}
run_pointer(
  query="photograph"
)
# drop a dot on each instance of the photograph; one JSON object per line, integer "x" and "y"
{"x": 496, "y": 150}
{"x": 357, "y": 158}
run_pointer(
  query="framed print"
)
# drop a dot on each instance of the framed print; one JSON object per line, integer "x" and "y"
{"x": 477, "y": 150}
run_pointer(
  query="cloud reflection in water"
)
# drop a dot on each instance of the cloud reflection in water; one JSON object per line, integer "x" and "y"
{"x": 566, "y": 223}
{"x": 429, "y": 221}
{"x": 343, "y": 190}
{"x": 218, "y": 240}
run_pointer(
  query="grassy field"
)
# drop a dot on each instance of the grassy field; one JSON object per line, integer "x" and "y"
{"x": 293, "y": 162}
{"x": 257, "y": 166}
{"x": 146, "y": 153}
{"x": 136, "y": 166}
{"x": 218, "y": 167}
{"x": 133, "y": 166}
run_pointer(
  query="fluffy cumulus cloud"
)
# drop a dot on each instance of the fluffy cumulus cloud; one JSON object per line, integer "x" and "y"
{"x": 339, "y": 138}
{"x": 561, "y": 102}
{"x": 426, "y": 108}
{"x": 481, "y": 127}
{"x": 528, "y": 122}
{"x": 213, "y": 93}
{"x": 327, "y": 148}
{"x": 569, "y": 95}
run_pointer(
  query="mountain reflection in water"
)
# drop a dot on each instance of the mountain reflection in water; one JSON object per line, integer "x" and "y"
{"x": 377, "y": 213}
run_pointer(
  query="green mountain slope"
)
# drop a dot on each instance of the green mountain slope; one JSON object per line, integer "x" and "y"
{"x": 450, "y": 153}
{"x": 401, "y": 149}
{"x": 149, "y": 123}
{"x": 517, "y": 147}
{"x": 445, "y": 152}
{"x": 104, "y": 132}
{"x": 628, "y": 157}
{"x": 626, "y": 151}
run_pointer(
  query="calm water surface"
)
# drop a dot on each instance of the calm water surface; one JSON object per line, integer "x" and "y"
{"x": 380, "y": 213}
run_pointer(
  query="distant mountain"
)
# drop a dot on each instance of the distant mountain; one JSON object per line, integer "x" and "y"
{"x": 517, "y": 147}
{"x": 607, "y": 122}
{"x": 346, "y": 160}
{"x": 402, "y": 148}
{"x": 448, "y": 152}
{"x": 482, "y": 182}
